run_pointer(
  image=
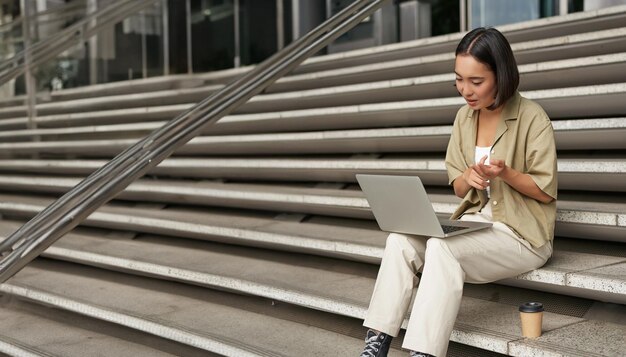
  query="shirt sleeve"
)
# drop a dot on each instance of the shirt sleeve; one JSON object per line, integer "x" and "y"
{"x": 541, "y": 160}
{"x": 455, "y": 161}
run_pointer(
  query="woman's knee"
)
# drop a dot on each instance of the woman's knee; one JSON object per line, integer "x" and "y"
{"x": 396, "y": 239}
{"x": 435, "y": 245}
{"x": 400, "y": 244}
{"x": 438, "y": 247}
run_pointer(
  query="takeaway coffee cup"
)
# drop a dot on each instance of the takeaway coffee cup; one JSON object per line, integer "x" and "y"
{"x": 531, "y": 314}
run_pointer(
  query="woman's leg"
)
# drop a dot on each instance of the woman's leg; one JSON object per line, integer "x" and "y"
{"x": 403, "y": 257}
{"x": 478, "y": 257}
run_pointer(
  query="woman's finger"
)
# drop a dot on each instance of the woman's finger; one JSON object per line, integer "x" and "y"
{"x": 478, "y": 182}
{"x": 498, "y": 163}
{"x": 478, "y": 171}
{"x": 482, "y": 170}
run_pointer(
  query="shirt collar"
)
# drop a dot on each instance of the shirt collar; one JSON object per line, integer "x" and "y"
{"x": 511, "y": 107}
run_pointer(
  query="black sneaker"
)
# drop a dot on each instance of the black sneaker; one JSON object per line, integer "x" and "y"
{"x": 419, "y": 354}
{"x": 376, "y": 345}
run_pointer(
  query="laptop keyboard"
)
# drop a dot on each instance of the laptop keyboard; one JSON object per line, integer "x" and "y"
{"x": 450, "y": 229}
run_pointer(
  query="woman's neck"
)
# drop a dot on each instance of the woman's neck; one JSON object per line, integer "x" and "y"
{"x": 487, "y": 114}
{"x": 486, "y": 126}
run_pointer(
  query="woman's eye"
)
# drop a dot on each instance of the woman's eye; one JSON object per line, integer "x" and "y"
{"x": 477, "y": 83}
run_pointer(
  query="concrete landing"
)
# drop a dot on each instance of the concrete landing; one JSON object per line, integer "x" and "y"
{"x": 34, "y": 330}
{"x": 222, "y": 323}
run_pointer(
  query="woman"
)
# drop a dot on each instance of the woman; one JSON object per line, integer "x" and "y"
{"x": 501, "y": 160}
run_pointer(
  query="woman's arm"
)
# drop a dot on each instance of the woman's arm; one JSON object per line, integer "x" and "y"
{"x": 461, "y": 187}
{"x": 522, "y": 183}
{"x": 477, "y": 175}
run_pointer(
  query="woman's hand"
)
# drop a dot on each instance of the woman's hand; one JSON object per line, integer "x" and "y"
{"x": 480, "y": 174}
{"x": 491, "y": 171}
{"x": 477, "y": 176}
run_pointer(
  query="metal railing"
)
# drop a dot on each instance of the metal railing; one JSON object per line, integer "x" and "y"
{"x": 78, "y": 32}
{"x": 101, "y": 186}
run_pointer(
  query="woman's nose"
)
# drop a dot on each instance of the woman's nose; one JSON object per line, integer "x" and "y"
{"x": 463, "y": 90}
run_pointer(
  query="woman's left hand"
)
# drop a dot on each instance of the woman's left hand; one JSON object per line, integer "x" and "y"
{"x": 494, "y": 169}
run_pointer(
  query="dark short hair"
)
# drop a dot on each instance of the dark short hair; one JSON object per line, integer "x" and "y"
{"x": 489, "y": 46}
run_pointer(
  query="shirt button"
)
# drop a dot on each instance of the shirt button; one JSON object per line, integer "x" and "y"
{"x": 493, "y": 151}
{"x": 495, "y": 203}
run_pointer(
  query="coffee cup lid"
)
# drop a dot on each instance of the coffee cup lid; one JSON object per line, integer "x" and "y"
{"x": 531, "y": 307}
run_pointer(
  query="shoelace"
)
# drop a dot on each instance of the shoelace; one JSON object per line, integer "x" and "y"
{"x": 370, "y": 347}
{"x": 417, "y": 354}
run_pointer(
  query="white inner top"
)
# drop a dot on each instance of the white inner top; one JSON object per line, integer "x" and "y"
{"x": 480, "y": 152}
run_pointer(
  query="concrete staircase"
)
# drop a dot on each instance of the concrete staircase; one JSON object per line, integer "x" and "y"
{"x": 255, "y": 239}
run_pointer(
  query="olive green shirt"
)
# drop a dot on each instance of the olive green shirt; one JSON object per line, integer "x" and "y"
{"x": 525, "y": 141}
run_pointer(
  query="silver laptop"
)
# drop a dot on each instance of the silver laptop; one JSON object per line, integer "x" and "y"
{"x": 400, "y": 204}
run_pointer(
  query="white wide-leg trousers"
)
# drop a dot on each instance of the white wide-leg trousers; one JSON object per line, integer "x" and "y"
{"x": 477, "y": 257}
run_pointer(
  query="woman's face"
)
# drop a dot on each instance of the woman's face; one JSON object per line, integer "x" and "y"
{"x": 475, "y": 82}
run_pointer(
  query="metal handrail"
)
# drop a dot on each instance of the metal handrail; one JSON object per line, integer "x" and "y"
{"x": 101, "y": 186}
{"x": 68, "y": 37}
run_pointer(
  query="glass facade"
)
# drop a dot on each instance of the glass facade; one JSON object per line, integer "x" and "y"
{"x": 500, "y": 12}
{"x": 186, "y": 36}
{"x": 445, "y": 17}
{"x": 212, "y": 35}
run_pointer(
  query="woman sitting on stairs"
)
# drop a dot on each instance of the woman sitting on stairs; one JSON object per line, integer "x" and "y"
{"x": 501, "y": 160}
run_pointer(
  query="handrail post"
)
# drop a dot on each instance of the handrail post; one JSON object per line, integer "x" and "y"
{"x": 188, "y": 29}
{"x": 92, "y": 6}
{"x": 237, "y": 59}
{"x": 31, "y": 86}
{"x": 280, "y": 25}
{"x": 166, "y": 38}
{"x": 144, "y": 45}
{"x": 463, "y": 9}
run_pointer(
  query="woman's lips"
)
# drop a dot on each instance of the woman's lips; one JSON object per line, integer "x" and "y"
{"x": 471, "y": 102}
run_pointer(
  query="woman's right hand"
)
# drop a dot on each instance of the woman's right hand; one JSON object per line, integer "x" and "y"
{"x": 473, "y": 177}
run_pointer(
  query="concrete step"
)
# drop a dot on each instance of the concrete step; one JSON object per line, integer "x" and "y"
{"x": 579, "y": 71}
{"x": 575, "y": 173}
{"x": 595, "y": 276}
{"x": 600, "y": 68}
{"x": 219, "y": 322}
{"x": 563, "y": 103}
{"x": 28, "y": 329}
{"x": 133, "y": 86}
{"x": 548, "y": 49}
{"x": 114, "y": 116}
{"x": 353, "y": 239}
{"x": 132, "y": 100}
{"x": 128, "y": 299}
{"x": 575, "y": 23}
{"x": 576, "y": 134}
{"x": 590, "y": 217}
